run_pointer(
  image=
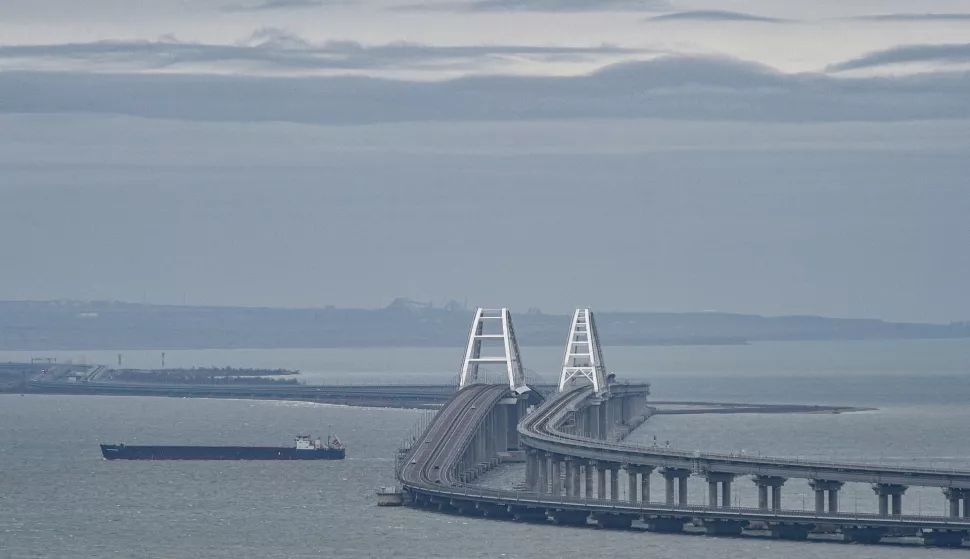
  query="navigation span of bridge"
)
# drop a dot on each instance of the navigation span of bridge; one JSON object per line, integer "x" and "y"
{"x": 572, "y": 443}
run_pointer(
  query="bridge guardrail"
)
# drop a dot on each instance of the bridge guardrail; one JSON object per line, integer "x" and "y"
{"x": 453, "y": 489}
{"x": 550, "y": 417}
{"x": 640, "y": 508}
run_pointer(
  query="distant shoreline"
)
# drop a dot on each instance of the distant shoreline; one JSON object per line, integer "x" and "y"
{"x": 7, "y": 348}
{"x": 696, "y": 408}
{"x": 90, "y": 326}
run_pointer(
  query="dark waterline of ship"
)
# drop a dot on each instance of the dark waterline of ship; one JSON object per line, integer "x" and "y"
{"x": 305, "y": 448}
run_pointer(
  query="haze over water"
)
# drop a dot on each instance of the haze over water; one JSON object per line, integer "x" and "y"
{"x": 58, "y": 498}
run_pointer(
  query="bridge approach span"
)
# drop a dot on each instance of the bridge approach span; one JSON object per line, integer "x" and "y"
{"x": 552, "y": 431}
{"x": 455, "y": 449}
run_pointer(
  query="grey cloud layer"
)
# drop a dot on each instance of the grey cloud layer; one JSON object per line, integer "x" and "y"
{"x": 907, "y": 54}
{"x": 714, "y": 15}
{"x": 279, "y": 50}
{"x": 670, "y": 88}
{"x": 270, "y": 5}
{"x": 565, "y": 6}
{"x": 912, "y": 17}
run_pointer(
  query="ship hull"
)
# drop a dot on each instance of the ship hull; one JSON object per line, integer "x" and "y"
{"x": 126, "y": 452}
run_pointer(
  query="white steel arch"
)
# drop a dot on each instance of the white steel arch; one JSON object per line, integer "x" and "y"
{"x": 584, "y": 356}
{"x": 505, "y": 334}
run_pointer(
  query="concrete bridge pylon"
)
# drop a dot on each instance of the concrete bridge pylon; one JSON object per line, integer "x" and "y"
{"x": 492, "y": 330}
{"x": 584, "y": 355}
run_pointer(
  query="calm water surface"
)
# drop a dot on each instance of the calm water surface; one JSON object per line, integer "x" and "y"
{"x": 59, "y": 499}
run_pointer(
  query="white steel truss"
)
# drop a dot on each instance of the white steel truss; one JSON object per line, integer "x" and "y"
{"x": 509, "y": 360}
{"x": 584, "y": 356}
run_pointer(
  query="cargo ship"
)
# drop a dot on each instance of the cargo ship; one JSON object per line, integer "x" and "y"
{"x": 305, "y": 448}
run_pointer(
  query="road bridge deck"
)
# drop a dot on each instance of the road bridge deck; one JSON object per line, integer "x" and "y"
{"x": 430, "y": 476}
{"x": 542, "y": 430}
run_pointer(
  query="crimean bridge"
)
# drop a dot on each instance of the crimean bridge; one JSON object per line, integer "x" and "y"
{"x": 576, "y": 460}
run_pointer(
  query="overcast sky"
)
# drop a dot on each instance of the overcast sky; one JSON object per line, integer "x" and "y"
{"x": 747, "y": 156}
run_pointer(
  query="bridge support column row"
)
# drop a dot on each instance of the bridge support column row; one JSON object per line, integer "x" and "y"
{"x": 775, "y": 484}
{"x": 679, "y": 477}
{"x": 713, "y": 478}
{"x": 572, "y": 478}
{"x": 530, "y": 469}
{"x": 579, "y": 422}
{"x": 632, "y": 484}
{"x": 542, "y": 465}
{"x": 614, "y": 481}
{"x": 604, "y": 420}
{"x": 644, "y": 483}
{"x": 822, "y": 486}
{"x": 954, "y": 496}
{"x": 885, "y": 492}
{"x": 555, "y": 463}
{"x": 501, "y": 426}
{"x": 593, "y": 421}
{"x": 614, "y": 408}
{"x": 629, "y": 408}
{"x": 515, "y": 412}
{"x": 600, "y": 481}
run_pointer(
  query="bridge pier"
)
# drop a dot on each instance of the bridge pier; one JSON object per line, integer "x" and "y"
{"x": 604, "y": 421}
{"x": 821, "y": 486}
{"x": 555, "y": 462}
{"x": 944, "y": 538}
{"x": 953, "y": 497}
{"x": 493, "y": 511}
{"x": 665, "y": 524}
{"x": 530, "y": 469}
{"x": 601, "y": 480}
{"x": 528, "y": 514}
{"x": 519, "y": 411}
{"x": 796, "y": 532}
{"x": 644, "y": 472}
{"x": 862, "y": 534}
{"x": 613, "y": 411}
{"x": 614, "y": 482}
{"x": 713, "y": 478}
{"x": 579, "y": 422}
{"x": 885, "y": 491}
{"x": 588, "y": 479}
{"x": 632, "y": 483}
{"x": 614, "y": 521}
{"x": 481, "y": 446}
{"x": 593, "y": 420}
{"x": 724, "y": 527}
{"x": 542, "y": 465}
{"x": 572, "y": 477}
{"x": 679, "y": 476}
{"x": 568, "y": 517}
{"x": 500, "y": 418}
{"x": 774, "y": 483}
{"x": 629, "y": 408}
